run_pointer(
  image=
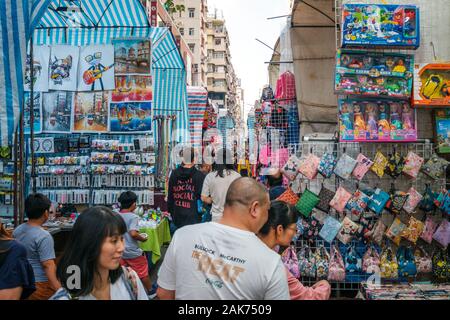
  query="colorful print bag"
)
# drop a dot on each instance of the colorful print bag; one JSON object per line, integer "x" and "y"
{"x": 395, "y": 230}
{"x": 345, "y": 166}
{"x": 413, "y": 231}
{"x": 322, "y": 262}
{"x": 327, "y": 164}
{"x": 290, "y": 260}
{"x": 427, "y": 204}
{"x": 406, "y": 262}
{"x": 379, "y": 164}
{"x": 358, "y": 203}
{"x": 413, "y": 200}
{"x": 289, "y": 197}
{"x": 378, "y": 201}
{"x": 325, "y": 196}
{"x": 442, "y": 234}
{"x": 336, "y": 270}
{"x": 395, "y": 165}
{"x": 435, "y": 167}
{"x": 378, "y": 232}
{"x": 388, "y": 264}
{"x": 309, "y": 166}
{"x": 397, "y": 200}
{"x": 353, "y": 261}
{"x": 348, "y": 230}
{"x": 311, "y": 228}
{"x": 340, "y": 199}
{"x": 363, "y": 166}
{"x": 441, "y": 266}
{"x": 423, "y": 261}
{"x": 330, "y": 229}
{"x": 290, "y": 169}
{"x": 413, "y": 163}
{"x": 371, "y": 261}
{"x": 429, "y": 229}
{"x": 307, "y": 203}
{"x": 306, "y": 262}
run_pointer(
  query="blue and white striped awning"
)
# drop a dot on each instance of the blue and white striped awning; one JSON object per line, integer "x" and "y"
{"x": 17, "y": 20}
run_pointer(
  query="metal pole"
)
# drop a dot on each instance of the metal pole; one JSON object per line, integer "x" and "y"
{"x": 33, "y": 164}
{"x": 15, "y": 178}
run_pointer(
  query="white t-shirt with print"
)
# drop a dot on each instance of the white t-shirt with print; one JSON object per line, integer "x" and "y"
{"x": 217, "y": 187}
{"x": 212, "y": 261}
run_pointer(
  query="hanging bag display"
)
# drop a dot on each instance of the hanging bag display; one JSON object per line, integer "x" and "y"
{"x": 413, "y": 164}
{"x": 379, "y": 164}
{"x": 427, "y": 204}
{"x": 348, "y": 230}
{"x": 290, "y": 260}
{"x": 353, "y": 262}
{"x": 327, "y": 165}
{"x": 378, "y": 232}
{"x": 310, "y": 228}
{"x": 442, "y": 234}
{"x": 397, "y": 200}
{"x": 388, "y": 264}
{"x": 306, "y": 262}
{"x": 363, "y": 166}
{"x": 358, "y": 203}
{"x": 395, "y": 165}
{"x": 406, "y": 262}
{"x": 307, "y": 202}
{"x": 340, "y": 199}
{"x": 413, "y": 200}
{"x": 371, "y": 261}
{"x": 345, "y": 166}
{"x": 395, "y": 230}
{"x": 413, "y": 231}
{"x": 325, "y": 196}
{"x": 423, "y": 261}
{"x": 309, "y": 166}
{"x": 289, "y": 197}
{"x": 435, "y": 167}
{"x": 378, "y": 201}
{"x": 290, "y": 169}
{"x": 429, "y": 229}
{"x": 441, "y": 266}
{"x": 322, "y": 262}
{"x": 330, "y": 229}
{"x": 336, "y": 270}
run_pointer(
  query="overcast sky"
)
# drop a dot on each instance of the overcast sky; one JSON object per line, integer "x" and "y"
{"x": 247, "y": 20}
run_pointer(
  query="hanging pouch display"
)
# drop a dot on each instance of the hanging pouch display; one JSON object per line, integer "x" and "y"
{"x": 435, "y": 167}
{"x": 379, "y": 164}
{"x": 395, "y": 230}
{"x": 348, "y": 230}
{"x": 378, "y": 201}
{"x": 330, "y": 229}
{"x": 358, "y": 203}
{"x": 406, "y": 262}
{"x": 289, "y": 197}
{"x": 290, "y": 169}
{"x": 310, "y": 228}
{"x": 413, "y": 230}
{"x": 378, "y": 232}
{"x": 397, "y": 200}
{"x": 290, "y": 260}
{"x": 442, "y": 234}
{"x": 322, "y": 262}
{"x": 413, "y": 164}
{"x": 429, "y": 229}
{"x": 423, "y": 261}
{"x": 306, "y": 262}
{"x": 441, "y": 266}
{"x": 307, "y": 202}
{"x": 327, "y": 165}
{"x": 363, "y": 166}
{"x": 353, "y": 262}
{"x": 309, "y": 166}
{"x": 340, "y": 199}
{"x": 325, "y": 196}
{"x": 345, "y": 166}
{"x": 427, "y": 204}
{"x": 371, "y": 261}
{"x": 388, "y": 264}
{"x": 413, "y": 200}
{"x": 395, "y": 165}
{"x": 336, "y": 270}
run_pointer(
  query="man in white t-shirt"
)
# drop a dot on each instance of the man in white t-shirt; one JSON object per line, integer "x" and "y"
{"x": 225, "y": 260}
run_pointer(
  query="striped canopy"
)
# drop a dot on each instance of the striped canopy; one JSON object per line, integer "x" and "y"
{"x": 197, "y": 102}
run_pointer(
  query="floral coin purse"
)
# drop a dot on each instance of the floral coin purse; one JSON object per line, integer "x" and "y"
{"x": 395, "y": 165}
{"x": 340, "y": 199}
{"x": 290, "y": 169}
{"x": 327, "y": 164}
{"x": 348, "y": 230}
{"x": 378, "y": 232}
{"x": 363, "y": 166}
{"x": 423, "y": 261}
{"x": 353, "y": 261}
{"x": 371, "y": 261}
{"x": 307, "y": 202}
{"x": 379, "y": 164}
{"x": 413, "y": 200}
{"x": 442, "y": 234}
{"x": 413, "y": 164}
{"x": 397, "y": 200}
{"x": 322, "y": 262}
{"x": 388, "y": 264}
{"x": 427, "y": 203}
{"x": 336, "y": 270}
{"x": 309, "y": 166}
{"x": 306, "y": 262}
{"x": 395, "y": 230}
{"x": 358, "y": 203}
{"x": 345, "y": 166}
{"x": 330, "y": 229}
{"x": 325, "y": 196}
{"x": 429, "y": 229}
{"x": 290, "y": 260}
{"x": 435, "y": 167}
{"x": 413, "y": 231}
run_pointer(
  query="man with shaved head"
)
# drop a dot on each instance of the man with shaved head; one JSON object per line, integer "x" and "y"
{"x": 225, "y": 260}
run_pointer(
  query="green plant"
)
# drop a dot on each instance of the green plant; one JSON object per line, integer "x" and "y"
{"x": 171, "y": 8}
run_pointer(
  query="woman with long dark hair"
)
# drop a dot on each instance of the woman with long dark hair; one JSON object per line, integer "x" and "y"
{"x": 216, "y": 183}
{"x": 90, "y": 266}
{"x": 279, "y": 230}
{"x": 16, "y": 273}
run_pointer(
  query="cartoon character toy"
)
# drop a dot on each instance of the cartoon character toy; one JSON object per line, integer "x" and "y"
{"x": 371, "y": 117}
{"x": 396, "y": 121}
{"x": 346, "y": 122}
{"x": 383, "y": 123}
{"x": 360, "y": 124}
{"x": 407, "y": 117}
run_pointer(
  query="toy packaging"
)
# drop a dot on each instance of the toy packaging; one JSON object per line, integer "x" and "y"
{"x": 374, "y": 74}
{"x": 443, "y": 130}
{"x": 364, "y": 120}
{"x": 380, "y": 25}
{"x": 432, "y": 84}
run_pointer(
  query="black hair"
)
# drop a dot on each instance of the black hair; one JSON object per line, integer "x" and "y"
{"x": 127, "y": 199}
{"x": 224, "y": 161}
{"x": 35, "y": 205}
{"x": 280, "y": 214}
{"x": 274, "y": 181}
{"x": 91, "y": 229}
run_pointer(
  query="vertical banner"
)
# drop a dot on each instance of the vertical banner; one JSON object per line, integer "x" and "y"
{"x": 153, "y": 10}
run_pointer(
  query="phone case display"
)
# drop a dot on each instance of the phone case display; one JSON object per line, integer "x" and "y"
{"x": 380, "y": 25}
{"x": 432, "y": 84}
{"x": 368, "y": 74}
{"x": 365, "y": 120}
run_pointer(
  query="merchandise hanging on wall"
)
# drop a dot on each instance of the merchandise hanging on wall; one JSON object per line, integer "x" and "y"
{"x": 91, "y": 112}
{"x": 131, "y": 117}
{"x": 96, "y": 69}
{"x": 57, "y": 111}
{"x": 132, "y": 57}
{"x": 41, "y": 59}
{"x": 380, "y": 25}
{"x": 37, "y": 103}
{"x": 443, "y": 130}
{"x": 376, "y": 121}
{"x": 133, "y": 89}
{"x": 64, "y": 67}
{"x": 432, "y": 84}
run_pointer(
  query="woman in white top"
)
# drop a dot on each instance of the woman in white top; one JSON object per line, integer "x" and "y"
{"x": 216, "y": 184}
{"x": 90, "y": 266}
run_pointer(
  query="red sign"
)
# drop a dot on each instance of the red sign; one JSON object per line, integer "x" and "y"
{"x": 153, "y": 11}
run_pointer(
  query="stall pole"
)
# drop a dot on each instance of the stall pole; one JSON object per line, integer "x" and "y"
{"x": 16, "y": 176}
{"x": 33, "y": 164}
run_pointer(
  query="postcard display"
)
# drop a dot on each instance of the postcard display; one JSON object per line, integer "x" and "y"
{"x": 92, "y": 122}
{"x": 375, "y": 200}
